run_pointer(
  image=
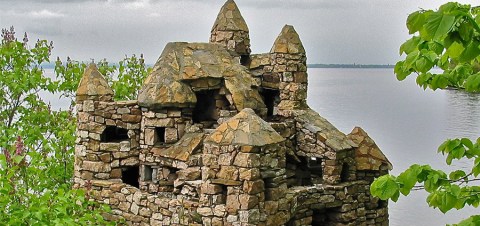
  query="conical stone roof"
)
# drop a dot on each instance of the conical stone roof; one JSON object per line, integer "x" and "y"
{"x": 230, "y": 19}
{"x": 245, "y": 129}
{"x": 183, "y": 66}
{"x": 288, "y": 42}
{"x": 368, "y": 155}
{"x": 93, "y": 85}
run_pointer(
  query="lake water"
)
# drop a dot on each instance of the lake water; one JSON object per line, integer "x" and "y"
{"x": 406, "y": 122}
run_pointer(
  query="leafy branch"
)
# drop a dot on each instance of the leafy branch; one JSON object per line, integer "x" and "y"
{"x": 449, "y": 39}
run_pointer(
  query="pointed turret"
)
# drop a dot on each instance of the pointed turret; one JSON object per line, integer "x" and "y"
{"x": 288, "y": 42}
{"x": 290, "y": 65}
{"x": 93, "y": 86}
{"x": 368, "y": 155}
{"x": 230, "y": 30}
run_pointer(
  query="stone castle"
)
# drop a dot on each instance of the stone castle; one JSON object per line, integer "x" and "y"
{"x": 220, "y": 136}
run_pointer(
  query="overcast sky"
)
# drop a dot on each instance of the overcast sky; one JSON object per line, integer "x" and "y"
{"x": 332, "y": 31}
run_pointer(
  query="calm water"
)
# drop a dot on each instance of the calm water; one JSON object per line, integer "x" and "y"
{"x": 406, "y": 122}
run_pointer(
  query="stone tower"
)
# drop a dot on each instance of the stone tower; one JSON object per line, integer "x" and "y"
{"x": 219, "y": 136}
{"x": 289, "y": 63}
{"x": 231, "y": 31}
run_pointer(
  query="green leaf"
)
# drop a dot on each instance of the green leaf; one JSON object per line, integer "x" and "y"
{"x": 415, "y": 21}
{"x": 455, "y": 50}
{"x": 410, "y": 45}
{"x": 472, "y": 83}
{"x": 467, "y": 142}
{"x": 436, "y": 47}
{"x": 400, "y": 71}
{"x": 471, "y": 52}
{"x": 423, "y": 65}
{"x": 457, "y": 174}
{"x": 385, "y": 187}
{"x": 408, "y": 179}
{"x": 438, "y": 25}
{"x": 439, "y": 81}
{"x": 471, "y": 221}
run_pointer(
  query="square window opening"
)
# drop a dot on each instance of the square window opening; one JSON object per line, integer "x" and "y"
{"x": 130, "y": 175}
{"x": 160, "y": 135}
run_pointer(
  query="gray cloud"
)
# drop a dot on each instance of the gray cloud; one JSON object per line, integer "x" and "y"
{"x": 340, "y": 31}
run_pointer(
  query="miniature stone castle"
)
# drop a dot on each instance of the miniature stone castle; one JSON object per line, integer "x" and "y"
{"x": 220, "y": 136}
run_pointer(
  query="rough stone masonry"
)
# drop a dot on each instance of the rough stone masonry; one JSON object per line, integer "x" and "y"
{"x": 220, "y": 136}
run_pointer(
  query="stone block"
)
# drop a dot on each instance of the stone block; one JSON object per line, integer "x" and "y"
{"x": 208, "y": 188}
{"x": 228, "y": 172}
{"x": 192, "y": 173}
{"x": 249, "y": 174}
{"x": 233, "y": 204}
{"x": 132, "y": 161}
{"x": 247, "y": 160}
{"x": 171, "y": 135}
{"x": 154, "y": 122}
{"x": 251, "y": 216}
{"x": 248, "y": 201}
{"x": 150, "y": 136}
{"x": 253, "y": 187}
{"x": 98, "y": 167}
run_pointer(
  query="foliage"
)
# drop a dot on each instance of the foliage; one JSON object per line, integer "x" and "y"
{"x": 37, "y": 142}
{"x": 448, "y": 38}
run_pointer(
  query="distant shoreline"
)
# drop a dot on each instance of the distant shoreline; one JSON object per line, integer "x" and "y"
{"x": 52, "y": 65}
{"x": 350, "y": 66}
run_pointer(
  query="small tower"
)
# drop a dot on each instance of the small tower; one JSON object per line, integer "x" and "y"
{"x": 243, "y": 169}
{"x": 289, "y": 63}
{"x": 231, "y": 31}
{"x": 92, "y": 89}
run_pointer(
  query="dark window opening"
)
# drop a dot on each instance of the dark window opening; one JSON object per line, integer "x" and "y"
{"x": 147, "y": 173}
{"x": 114, "y": 134}
{"x": 319, "y": 217}
{"x": 130, "y": 176}
{"x": 345, "y": 175}
{"x": 315, "y": 166}
{"x": 159, "y": 135}
{"x": 244, "y": 60}
{"x": 224, "y": 195}
{"x": 205, "y": 108}
{"x": 271, "y": 98}
{"x": 298, "y": 173}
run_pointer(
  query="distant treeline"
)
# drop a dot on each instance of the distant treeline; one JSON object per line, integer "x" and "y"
{"x": 350, "y": 66}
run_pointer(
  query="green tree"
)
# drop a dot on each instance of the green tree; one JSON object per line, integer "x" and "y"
{"x": 448, "y": 38}
{"x": 37, "y": 142}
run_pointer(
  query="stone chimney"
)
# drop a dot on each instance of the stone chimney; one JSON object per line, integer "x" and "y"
{"x": 93, "y": 86}
{"x": 231, "y": 31}
{"x": 289, "y": 61}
